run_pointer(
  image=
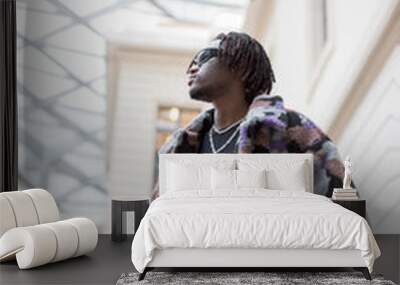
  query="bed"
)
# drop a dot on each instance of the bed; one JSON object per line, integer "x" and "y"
{"x": 247, "y": 210}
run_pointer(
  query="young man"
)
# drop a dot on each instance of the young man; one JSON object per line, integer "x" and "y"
{"x": 235, "y": 75}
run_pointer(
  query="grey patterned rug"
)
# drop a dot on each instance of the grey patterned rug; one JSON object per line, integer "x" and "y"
{"x": 275, "y": 278}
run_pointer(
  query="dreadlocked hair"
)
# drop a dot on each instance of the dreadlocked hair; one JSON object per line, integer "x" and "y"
{"x": 244, "y": 54}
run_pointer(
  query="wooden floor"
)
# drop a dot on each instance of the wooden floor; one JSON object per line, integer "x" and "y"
{"x": 110, "y": 260}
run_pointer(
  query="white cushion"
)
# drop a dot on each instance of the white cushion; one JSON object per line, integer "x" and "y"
{"x": 7, "y": 220}
{"x": 26, "y": 208}
{"x": 226, "y": 179}
{"x": 32, "y": 246}
{"x": 189, "y": 175}
{"x": 67, "y": 237}
{"x": 280, "y": 180}
{"x": 281, "y": 174}
{"x": 40, "y": 244}
{"x": 223, "y": 179}
{"x": 87, "y": 233}
{"x": 45, "y": 205}
{"x": 251, "y": 161}
{"x": 251, "y": 178}
{"x": 23, "y": 208}
{"x": 30, "y": 232}
{"x": 181, "y": 178}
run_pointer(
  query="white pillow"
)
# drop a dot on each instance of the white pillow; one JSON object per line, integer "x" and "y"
{"x": 251, "y": 178}
{"x": 223, "y": 179}
{"x": 227, "y": 179}
{"x": 190, "y": 174}
{"x": 281, "y": 174}
{"x": 292, "y": 179}
{"x": 181, "y": 177}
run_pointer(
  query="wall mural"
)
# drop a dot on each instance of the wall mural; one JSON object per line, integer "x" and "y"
{"x": 62, "y": 98}
{"x": 62, "y": 75}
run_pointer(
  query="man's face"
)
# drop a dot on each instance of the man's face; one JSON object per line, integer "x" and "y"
{"x": 207, "y": 76}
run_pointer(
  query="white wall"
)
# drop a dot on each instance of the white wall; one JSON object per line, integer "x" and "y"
{"x": 372, "y": 137}
{"x": 357, "y": 24}
{"x": 286, "y": 45}
{"x": 145, "y": 80}
{"x": 371, "y": 134}
{"x": 289, "y": 40}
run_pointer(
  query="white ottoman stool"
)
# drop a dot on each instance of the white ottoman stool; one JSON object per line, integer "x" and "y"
{"x": 31, "y": 233}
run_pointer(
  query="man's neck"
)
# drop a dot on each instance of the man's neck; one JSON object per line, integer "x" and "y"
{"x": 228, "y": 112}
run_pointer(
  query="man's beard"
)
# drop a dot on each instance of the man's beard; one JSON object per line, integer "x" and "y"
{"x": 206, "y": 94}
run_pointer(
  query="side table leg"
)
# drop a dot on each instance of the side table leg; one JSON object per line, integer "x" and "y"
{"x": 140, "y": 210}
{"x": 116, "y": 221}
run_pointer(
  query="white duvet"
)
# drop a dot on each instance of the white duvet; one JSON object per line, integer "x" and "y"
{"x": 253, "y": 218}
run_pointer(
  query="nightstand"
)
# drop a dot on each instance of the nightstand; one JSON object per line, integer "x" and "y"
{"x": 117, "y": 213}
{"x": 357, "y": 206}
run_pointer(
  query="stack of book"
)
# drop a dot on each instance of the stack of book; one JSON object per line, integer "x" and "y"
{"x": 344, "y": 194}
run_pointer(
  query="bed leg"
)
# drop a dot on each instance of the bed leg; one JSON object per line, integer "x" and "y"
{"x": 364, "y": 271}
{"x": 143, "y": 274}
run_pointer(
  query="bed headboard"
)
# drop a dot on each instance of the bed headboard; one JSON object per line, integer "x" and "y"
{"x": 207, "y": 158}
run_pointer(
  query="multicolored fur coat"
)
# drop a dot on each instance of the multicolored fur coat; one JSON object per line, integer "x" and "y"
{"x": 271, "y": 128}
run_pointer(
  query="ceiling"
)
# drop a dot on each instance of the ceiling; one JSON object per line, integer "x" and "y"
{"x": 171, "y": 23}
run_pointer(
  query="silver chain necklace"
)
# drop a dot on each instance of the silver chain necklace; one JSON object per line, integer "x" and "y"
{"x": 226, "y": 129}
{"x": 211, "y": 139}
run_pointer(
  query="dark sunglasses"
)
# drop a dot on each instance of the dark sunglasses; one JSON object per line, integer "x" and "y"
{"x": 203, "y": 56}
